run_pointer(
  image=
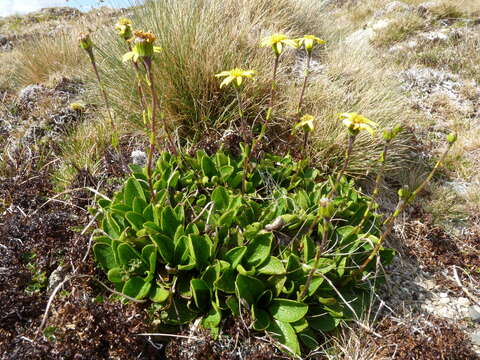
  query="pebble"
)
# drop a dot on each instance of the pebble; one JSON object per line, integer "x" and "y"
{"x": 475, "y": 338}
{"x": 474, "y": 312}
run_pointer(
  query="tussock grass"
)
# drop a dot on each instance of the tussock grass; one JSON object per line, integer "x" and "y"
{"x": 44, "y": 58}
{"x": 399, "y": 29}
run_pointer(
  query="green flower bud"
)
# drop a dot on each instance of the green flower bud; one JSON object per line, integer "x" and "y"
{"x": 452, "y": 138}
{"x": 143, "y": 44}
{"x": 85, "y": 41}
{"x": 124, "y": 28}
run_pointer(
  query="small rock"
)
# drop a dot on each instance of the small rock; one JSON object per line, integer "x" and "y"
{"x": 381, "y": 24}
{"x": 474, "y": 312}
{"x": 424, "y": 8}
{"x": 139, "y": 158}
{"x": 475, "y": 338}
{"x": 55, "y": 278}
{"x": 444, "y": 301}
{"x": 30, "y": 93}
{"x": 435, "y": 36}
{"x": 443, "y": 295}
{"x": 395, "y": 6}
{"x": 463, "y": 301}
{"x": 360, "y": 38}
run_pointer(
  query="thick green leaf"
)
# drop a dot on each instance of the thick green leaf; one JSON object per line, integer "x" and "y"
{"x": 133, "y": 189}
{"x": 136, "y": 287}
{"x": 235, "y": 256}
{"x": 135, "y": 219}
{"x": 272, "y": 266}
{"x": 126, "y": 254}
{"x": 139, "y": 205}
{"x": 208, "y": 166}
{"x": 226, "y": 282}
{"x": 178, "y": 313}
{"x": 115, "y": 275}
{"x": 248, "y": 288}
{"x": 261, "y": 319}
{"x": 159, "y": 294}
{"x": 287, "y": 310}
{"x": 200, "y": 247}
{"x": 259, "y": 249}
{"x": 169, "y": 221}
{"x": 233, "y": 305}
{"x": 285, "y": 334}
{"x": 165, "y": 247}
{"x": 308, "y": 338}
{"x": 320, "y": 320}
{"x": 200, "y": 292}
{"x": 226, "y": 171}
{"x": 220, "y": 198}
{"x": 104, "y": 255}
{"x": 300, "y": 325}
{"x": 213, "y": 318}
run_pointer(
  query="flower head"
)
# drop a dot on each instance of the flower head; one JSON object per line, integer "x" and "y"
{"x": 309, "y": 41}
{"x": 306, "y": 123}
{"x": 235, "y": 75}
{"x": 142, "y": 46}
{"x": 77, "y": 106}
{"x": 124, "y": 28}
{"x": 85, "y": 41}
{"x": 356, "y": 123}
{"x": 277, "y": 42}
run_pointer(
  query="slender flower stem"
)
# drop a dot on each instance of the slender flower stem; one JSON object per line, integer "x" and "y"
{"x": 264, "y": 125}
{"x": 305, "y": 80}
{"x": 320, "y": 247}
{"x": 141, "y": 93}
{"x": 241, "y": 113}
{"x": 102, "y": 89}
{"x": 376, "y": 189}
{"x": 348, "y": 154}
{"x": 401, "y": 206}
{"x": 305, "y": 141}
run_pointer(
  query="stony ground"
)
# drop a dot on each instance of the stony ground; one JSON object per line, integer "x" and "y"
{"x": 429, "y": 308}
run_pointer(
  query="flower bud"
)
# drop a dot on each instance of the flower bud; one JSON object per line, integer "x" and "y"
{"x": 124, "y": 28}
{"x": 143, "y": 44}
{"x": 452, "y": 138}
{"x": 85, "y": 41}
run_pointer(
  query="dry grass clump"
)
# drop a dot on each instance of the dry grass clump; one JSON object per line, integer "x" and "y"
{"x": 399, "y": 29}
{"x": 43, "y": 58}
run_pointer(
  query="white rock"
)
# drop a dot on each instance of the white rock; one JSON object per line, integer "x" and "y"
{"x": 360, "y": 38}
{"x": 463, "y": 301}
{"x": 139, "y": 157}
{"x": 381, "y": 24}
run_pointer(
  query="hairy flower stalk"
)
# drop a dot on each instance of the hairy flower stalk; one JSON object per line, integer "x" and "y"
{"x": 308, "y": 42}
{"x": 406, "y": 198}
{"x": 144, "y": 50}
{"x": 236, "y": 77}
{"x": 326, "y": 213}
{"x": 86, "y": 43}
{"x": 124, "y": 30}
{"x": 306, "y": 124}
{"x": 388, "y": 136}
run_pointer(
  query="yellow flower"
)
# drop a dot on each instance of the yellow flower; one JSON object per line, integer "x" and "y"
{"x": 124, "y": 28}
{"x": 309, "y": 41}
{"x": 306, "y": 123}
{"x": 85, "y": 41}
{"x": 235, "y": 75}
{"x": 356, "y": 123}
{"x": 76, "y": 106}
{"x": 277, "y": 41}
{"x": 142, "y": 46}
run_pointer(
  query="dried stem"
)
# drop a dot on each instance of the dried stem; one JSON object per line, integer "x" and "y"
{"x": 401, "y": 206}
{"x": 102, "y": 89}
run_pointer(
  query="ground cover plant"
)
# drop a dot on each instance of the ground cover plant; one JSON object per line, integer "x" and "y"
{"x": 264, "y": 238}
{"x": 60, "y": 134}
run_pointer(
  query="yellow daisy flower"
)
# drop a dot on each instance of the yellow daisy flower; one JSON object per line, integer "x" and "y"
{"x": 356, "y": 123}
{"x": 235, "y": 75}
{"x": 277, "y": 42}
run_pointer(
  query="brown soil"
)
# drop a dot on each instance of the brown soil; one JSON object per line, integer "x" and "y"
{"x": 429, "y": 339}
